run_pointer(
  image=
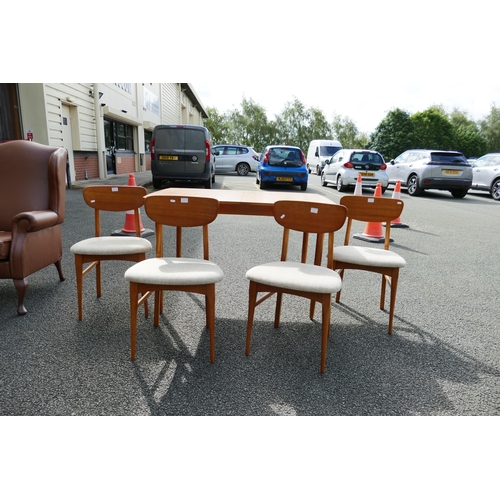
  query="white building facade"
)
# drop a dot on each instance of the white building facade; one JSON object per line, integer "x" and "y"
{"x": 106, "y": 127}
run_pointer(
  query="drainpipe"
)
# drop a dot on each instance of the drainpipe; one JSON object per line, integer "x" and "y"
{"x": 99, "y": 129}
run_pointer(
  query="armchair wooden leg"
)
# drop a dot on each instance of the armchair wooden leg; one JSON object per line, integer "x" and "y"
{"x": 337, "y": 295}
{"x": 21, "y": 287}
{"x": 394, "y": 287}
{"x": 59, "y": 270}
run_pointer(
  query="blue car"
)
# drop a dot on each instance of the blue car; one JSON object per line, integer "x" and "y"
{"x": 282, "y": 165}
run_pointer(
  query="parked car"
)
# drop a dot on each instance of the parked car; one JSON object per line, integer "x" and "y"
{"x": 282, "y": 165}
{"x": 235, "y": 158}
{"x": 486, "y": 174}
{"x": 344, "y": 166}
{"x": 422, "y": 169}
{"x": 318, "y": 152}
{"x": 181, "y": 153}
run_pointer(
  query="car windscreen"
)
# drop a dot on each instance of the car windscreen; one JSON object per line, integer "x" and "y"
{"x": 448, "y": 158}
{"x": 284, "y": 157}
{"x": 328, "y": 150}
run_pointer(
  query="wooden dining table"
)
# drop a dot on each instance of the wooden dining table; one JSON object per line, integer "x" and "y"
{"x": 243, "y": 202}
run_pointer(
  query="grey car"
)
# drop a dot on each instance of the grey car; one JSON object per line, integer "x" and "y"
{"x": 343, "y": 168}
{"x": 235, "y": 158}
{"x": 486, "y": 174}
{"x": 422, "y": 169}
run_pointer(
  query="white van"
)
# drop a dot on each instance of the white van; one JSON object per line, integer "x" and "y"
{"x": 319, "y": 151}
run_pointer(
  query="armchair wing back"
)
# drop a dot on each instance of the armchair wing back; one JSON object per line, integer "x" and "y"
{"x": 32, "y": 204}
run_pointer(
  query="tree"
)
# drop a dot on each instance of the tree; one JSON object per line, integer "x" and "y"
{"x": 433, "y": 130}
{"x": 345, "y": 131}
{"x": 292, "y": 125}
{"x": 394, "y": 134}
{"x": 469, "y": 139}
{"x": 490, "y": 128}
{"x": 318, "y": 126}
{"x": 217, "y": 125}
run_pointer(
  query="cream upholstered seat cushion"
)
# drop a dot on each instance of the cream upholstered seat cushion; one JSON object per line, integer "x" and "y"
{"x": 174, "y": 271}
{"x": 111, "y": 245}
{"x": 296, "y": 276}
{"x": 366, "y": 256}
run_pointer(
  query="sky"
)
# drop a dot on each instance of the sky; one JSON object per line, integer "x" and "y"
{"x": 358, "y": 59}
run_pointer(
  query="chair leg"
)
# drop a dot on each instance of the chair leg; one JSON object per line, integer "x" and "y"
{"x": 134, "y": 295}
{"x": 252, "y": 299}
{"x": 277, "y": 314}
{"x": 325, "y": 328}
{"x": 158, "y": 307}
{"x": 59, "y": 270}
{"x": 21, "y": 287}
{"x": 98, "y": 279}
{"x": 337, "y": 296}
{"x": 394, "y": 287}
{"x": 382, "y": 291}
{"x": 79, "y": 284}
{"x": 210, "y": 318}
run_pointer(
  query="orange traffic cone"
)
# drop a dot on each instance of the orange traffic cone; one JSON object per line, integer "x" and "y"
{"x": 129, "y": 227}
{"x": 373, "y": 230}
{"x": 358, "y": 190}
{"x": 397, "y": 194}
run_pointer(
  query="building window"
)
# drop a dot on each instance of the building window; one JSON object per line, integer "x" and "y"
{"x": 119, "y": 135}
{"x": 147, "y": 140}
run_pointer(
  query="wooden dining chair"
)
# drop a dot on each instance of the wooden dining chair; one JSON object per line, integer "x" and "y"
{"x": 94, "y": 250}
{"x": 311, "y": 281}
{"x": 367, "y": 258}
{"x": 176, "y": 273}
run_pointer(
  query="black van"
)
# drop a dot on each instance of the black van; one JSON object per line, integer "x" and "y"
{"x": 181, "y": 153}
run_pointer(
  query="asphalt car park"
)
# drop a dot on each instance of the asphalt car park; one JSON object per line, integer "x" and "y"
{"x": 442, "y": 358}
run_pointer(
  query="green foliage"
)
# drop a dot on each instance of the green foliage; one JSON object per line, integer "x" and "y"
{"x": 468, "y": 137}
{"x": 490, "y": 129}
{"x": 433, "y": 130}
{"x": 345, "y": 131}
{"x": 394, "y": 135}
{"x": 398, "y": 131}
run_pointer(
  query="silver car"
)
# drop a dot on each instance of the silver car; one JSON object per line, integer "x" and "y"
{"x": 486, "y": 174}
{"x": 343, "y": 168}
{"x": 422, "y": 169}
{"x": 235, "y": 158}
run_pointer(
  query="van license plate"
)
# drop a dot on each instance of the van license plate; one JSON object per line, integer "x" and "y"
{"x": 168, "y": 158}
{"x": 367, "y": 174}
{"x": 451, "y": 172}
{"x": 284, "y": 179}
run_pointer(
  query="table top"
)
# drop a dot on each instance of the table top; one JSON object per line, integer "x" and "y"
{"x": 241, "y": 202}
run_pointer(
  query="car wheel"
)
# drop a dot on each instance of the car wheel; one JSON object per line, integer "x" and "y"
{"x": 257, "y": 179}
{"x": 384, "y": 189}
{"x": 458, "y": 193}
{"x": 340, "y": 185}
{"x": 318, "y": 171}
{"x": 412, "y": 186}
{"x": 156, "y": 183}
{"x": 495, "y": 190}
{"x": 242, "y": 168}
{"x": 263, "y": 185}
{"x": 303, "y": 187}
{"x": 208, "y": 183}
{"x": 323, "y": 179}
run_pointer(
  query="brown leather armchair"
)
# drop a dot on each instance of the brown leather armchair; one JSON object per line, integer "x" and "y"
{"x": 32, "y": 199}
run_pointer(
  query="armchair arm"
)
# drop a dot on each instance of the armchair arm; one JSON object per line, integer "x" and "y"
{"x": 29, "y": 222}
{"x": 36, "y": 242}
